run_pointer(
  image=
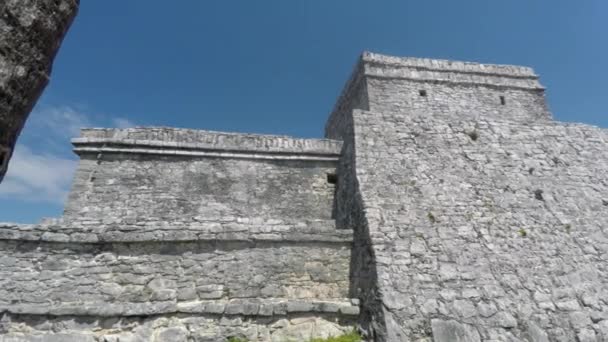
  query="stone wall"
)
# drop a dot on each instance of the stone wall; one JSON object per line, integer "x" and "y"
{"x": 350, "y": 213}
{"x": 498, "y": 236}
{"x": 263, "y": 282}
{"x": 184, "y": 175}
{"x": 149, "y": 272}
{"x": 485, "y": 221}
{"x": 460, "y": 213}
{"x": 464, "y": 101}
{"x": 183, "y": 235}
{"x": 417, "y": 86}
{"x": 170, "y": 328}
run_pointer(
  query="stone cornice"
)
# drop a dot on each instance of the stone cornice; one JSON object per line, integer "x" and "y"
{"x": 511, "y": 71}
{"x": 195, "y": 143}
{"x": 452, "y": 72}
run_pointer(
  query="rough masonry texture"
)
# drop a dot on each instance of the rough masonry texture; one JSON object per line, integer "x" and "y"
{"x": 31, "y": 32}
{"x": 444, "y": 205}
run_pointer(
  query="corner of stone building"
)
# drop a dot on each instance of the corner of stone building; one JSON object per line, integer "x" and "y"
{"x": 83, "y": 180}
{"x": 353, "y": 96}
{"x": 392, "y": 86}
{"x": 349, "y": 207}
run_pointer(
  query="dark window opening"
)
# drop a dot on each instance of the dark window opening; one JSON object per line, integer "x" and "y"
{"x": 474, "y": 135}
{"x": 332, "y": 178}
{"x": 422, "y": 93}
{"x": 503, "y": 101}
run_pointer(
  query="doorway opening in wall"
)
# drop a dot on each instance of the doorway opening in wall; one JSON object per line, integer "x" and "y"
{"x": 332, "y": 178}
{"x": 503, "y": 101}
{"x": 422, "y": 92}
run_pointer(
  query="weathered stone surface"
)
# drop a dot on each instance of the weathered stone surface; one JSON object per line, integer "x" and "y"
{"x": 469, "y": 204}
{"x": 172, "y": 328}
{"x": 31, "y": 32}
{"x": 126, "y": 273}
{"x": 48, "y": 337}
{"x": 452, "y": 331}
{"x": 536, "y": 334}
{"x": 452, "y": 209}
{"x": 250, "y": 229}
{"x": 174, "y": 334}
{"x": 132, "y": 176}
{"x": 212, "y": 231}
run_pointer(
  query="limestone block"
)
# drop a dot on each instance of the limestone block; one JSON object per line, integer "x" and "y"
{"x": 452, "y": 331}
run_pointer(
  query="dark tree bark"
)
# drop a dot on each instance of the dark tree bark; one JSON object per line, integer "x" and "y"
{"x": 31, "y": 32}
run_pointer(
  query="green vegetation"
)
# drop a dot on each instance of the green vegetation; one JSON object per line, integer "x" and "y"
{"x": 236, "y": 339}
{"x": 350, "y": 337}
{"x": 522, "y": 232}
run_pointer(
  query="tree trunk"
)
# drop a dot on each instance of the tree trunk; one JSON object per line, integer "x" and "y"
{"x": 31, "y": 32}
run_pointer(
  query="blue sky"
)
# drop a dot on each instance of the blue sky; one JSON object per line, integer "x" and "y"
{"x": 276, "y": 66}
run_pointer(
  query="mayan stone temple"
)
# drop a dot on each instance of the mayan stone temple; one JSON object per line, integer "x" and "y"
{"x": 444, "y": 204}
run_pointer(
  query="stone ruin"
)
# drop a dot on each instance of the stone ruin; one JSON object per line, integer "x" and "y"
{"x": 445, "y": 204}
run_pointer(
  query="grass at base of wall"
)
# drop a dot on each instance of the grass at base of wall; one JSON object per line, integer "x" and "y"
{"x": 350, "y": 337}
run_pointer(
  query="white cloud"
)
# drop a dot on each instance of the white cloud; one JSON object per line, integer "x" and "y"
{"x": 62, "y": 121}
{"x": 122, "y": 123}
{"x": 37, "y": 177}
{"x": 42, "y": 166}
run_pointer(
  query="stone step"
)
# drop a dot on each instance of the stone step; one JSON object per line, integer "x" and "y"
{"x": 244, "y": 307}
{"x": 218, "y": 229}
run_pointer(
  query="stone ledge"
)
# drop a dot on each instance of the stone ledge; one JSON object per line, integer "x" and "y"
{"x": 218, "y": 230}
{"x": 455, "y": 78}
{"x": 187, "y": 142}
{"x": 102, "y": 148}
{"x": 259, "y": 307}
{"x": 513, "y": 71}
